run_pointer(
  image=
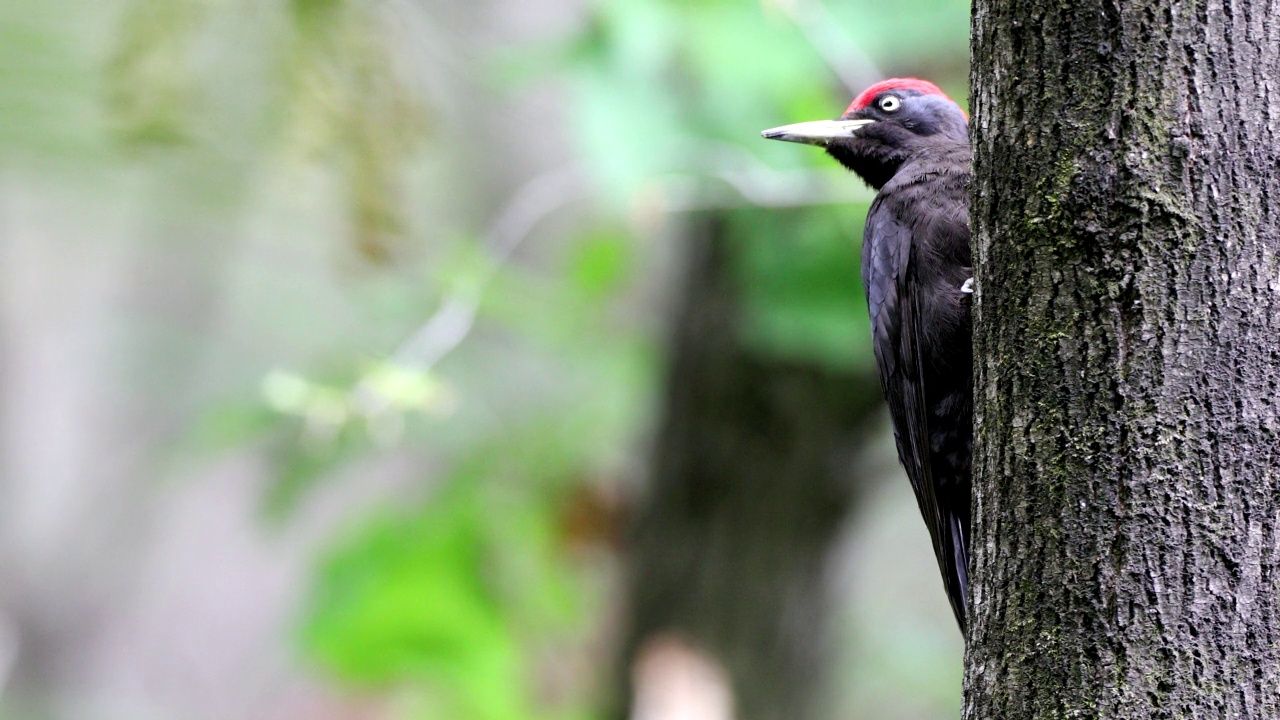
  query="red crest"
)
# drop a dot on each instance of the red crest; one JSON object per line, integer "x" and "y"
{"x": 924, "y": 87}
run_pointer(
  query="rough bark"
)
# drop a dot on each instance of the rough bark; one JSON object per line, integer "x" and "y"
{"x": 1127, "y": 241}
{"x": 752, "y": 480}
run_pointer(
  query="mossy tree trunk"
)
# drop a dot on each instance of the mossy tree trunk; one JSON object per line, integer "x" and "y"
{"x": 1127, "y": 238}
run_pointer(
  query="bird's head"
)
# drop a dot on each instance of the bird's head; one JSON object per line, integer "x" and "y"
{"x": 883, "y": 127}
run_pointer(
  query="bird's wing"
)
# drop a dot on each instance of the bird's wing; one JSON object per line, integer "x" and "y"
{"x": 898, "y": 333}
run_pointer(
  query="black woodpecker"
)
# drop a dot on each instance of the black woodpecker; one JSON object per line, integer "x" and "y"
{"x": 910, "y": 142}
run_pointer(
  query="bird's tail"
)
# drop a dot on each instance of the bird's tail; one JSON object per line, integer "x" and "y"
{"x": 958, "y": 578}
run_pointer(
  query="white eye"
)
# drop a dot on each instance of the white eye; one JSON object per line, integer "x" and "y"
{"x": 890, "y": 103}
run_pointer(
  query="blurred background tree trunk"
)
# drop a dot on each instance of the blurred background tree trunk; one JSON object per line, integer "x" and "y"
{"x": 226, "y": 229}
{"x": 1128, "y": 339}
{"x": 753, "y": 478}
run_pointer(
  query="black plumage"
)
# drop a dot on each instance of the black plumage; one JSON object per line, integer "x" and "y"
{"x": 910, "y": 142}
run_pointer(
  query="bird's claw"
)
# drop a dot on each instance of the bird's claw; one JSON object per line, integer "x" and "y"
{"x": 967, "y": 287}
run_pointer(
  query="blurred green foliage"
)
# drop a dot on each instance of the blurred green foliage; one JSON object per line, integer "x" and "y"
{"x": 455, "y": 595}
{"x": 458, "y": 594}
{"x": 447, "y": 598}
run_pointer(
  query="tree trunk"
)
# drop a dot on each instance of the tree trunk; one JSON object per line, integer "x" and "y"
{"x": 1126, "y": 549}
{"x": 752, "y": 481}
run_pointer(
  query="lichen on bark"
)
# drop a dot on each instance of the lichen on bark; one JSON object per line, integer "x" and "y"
{"x": 1126, "y": 549}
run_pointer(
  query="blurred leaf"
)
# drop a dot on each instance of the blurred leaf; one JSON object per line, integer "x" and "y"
{"x": 403, "y": 388}
{"x": 350, "y": 99}
{"x": 150, "y": 82}
{"x": 287, "y": 392}
{"x": 600, "y": 262}
{"x": 407, "y": 599}
{"x": 451, "y": 597}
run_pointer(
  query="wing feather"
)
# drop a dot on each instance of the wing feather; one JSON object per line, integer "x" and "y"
{"x": 899, "y": 333}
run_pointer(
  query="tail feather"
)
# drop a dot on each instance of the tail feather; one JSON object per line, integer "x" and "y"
{"x": 957, "y": 575}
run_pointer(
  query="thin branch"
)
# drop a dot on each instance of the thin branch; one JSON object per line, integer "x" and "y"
{"x": 739, "y": 170}
{"x": 452, "y": 323}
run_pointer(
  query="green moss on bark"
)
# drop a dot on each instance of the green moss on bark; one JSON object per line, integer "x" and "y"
{"x": 1126, "y": 350}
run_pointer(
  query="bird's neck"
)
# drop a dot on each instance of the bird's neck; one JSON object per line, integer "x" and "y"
{"x": 875, "y": 163}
